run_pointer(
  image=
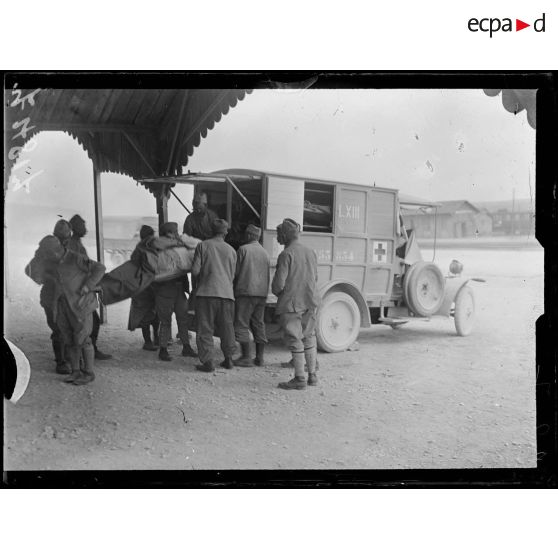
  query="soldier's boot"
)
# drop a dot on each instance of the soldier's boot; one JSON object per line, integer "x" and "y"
{"x": 245, "y": 361}
{"x": 227, "y": 363}
{"x": 74, "y": 355}
{"x": 87, "y": 375}
{"x": 148, "y": 344}
{"x": 289, "y": 364}
{"x": 99, "y": 355}
{"x": 206, "y": 367}
{"x": 259, "y": 360}
{"x": 155, "y": 335}
{"x": 311, "y": 361}
{"x": 62, "y": 367}
{"x": 299, "y": 380}
{"x": 164, "y": 354}
{"x": 187, "y": 349}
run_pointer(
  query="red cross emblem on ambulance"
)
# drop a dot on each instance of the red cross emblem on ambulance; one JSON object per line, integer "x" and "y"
{"x": 379, "y": 252}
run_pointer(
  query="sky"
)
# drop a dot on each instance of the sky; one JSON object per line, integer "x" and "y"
{"x": 435, "y": 144}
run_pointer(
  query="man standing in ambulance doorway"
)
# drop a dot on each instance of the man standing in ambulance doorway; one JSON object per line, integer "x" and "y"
{"x": 295, "y": 285}
{"x": 198, "y": 223}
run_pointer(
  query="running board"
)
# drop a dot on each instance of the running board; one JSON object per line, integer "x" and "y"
{"x": 392, "y": 321}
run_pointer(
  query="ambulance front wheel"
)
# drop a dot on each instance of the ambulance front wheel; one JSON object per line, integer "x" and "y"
{"x": 464, "y": 311}
{"x": 337, "y": 322}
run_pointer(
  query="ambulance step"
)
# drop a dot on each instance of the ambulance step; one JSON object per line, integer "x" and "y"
{"x": 392, "y": 321}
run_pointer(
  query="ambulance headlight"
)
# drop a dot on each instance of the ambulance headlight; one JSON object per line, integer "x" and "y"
{"x": 456, "y": 268}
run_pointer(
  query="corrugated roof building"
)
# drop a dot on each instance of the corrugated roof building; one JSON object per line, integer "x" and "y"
{"x": 451, "y": 219}
{"x": 511, "y": 217}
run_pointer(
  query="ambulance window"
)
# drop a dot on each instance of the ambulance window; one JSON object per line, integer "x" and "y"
{"x": 318, "y": 208}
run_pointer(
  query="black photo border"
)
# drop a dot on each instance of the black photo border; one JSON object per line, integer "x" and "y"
{"x": 545, "y": 474}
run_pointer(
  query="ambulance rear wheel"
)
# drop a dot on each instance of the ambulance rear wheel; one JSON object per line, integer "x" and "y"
{"x": 337, "y": 322}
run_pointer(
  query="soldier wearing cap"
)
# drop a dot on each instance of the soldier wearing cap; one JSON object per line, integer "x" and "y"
{"x": 75, "y": 244}
{"x": 198, "y": 223}
{"x": 170, "y": 297}
{"x": 214, "y": 268}
{"x": 75, "y": 305}
{"x": 142, "y": 307}
{"x": 251, "y": 287}
{"x": 295, "y": 285}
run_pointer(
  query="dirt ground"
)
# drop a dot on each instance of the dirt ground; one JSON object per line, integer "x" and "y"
{"x": 416, "y": 397}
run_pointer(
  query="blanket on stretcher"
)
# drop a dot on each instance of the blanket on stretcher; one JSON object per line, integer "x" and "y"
{"x": 145, "y": 266}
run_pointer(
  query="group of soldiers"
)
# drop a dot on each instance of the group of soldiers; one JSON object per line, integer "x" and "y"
{"x": 69, "y": 280}
{"x": 228, "y": 299}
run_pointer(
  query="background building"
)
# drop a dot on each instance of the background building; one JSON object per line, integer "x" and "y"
{"x": 451, "y": 219}
{"x": 511, "y": 217}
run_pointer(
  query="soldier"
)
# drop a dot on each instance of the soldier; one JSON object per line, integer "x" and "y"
{"x": 63, "y": 232}
{"x": 142, "y": 307}
{"x": 198, "y": 223}
{"x": 251, "y": 287}
{"x": 76, "y": 303}
{"x": 75, "y": 244}
{"x": 170, "y": 297}
{"x": 44, "y": 270}
{"x": 213, "y": 267}
{"x": 294, "y": 284}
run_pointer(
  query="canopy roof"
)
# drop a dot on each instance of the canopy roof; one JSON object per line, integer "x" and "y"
{"x": 137, "y": 132}
{"x": 516, "y": 100}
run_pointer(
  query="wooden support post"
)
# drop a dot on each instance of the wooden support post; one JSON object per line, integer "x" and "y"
{"x": 99, "y": 227}
{"x": 162, "y": 206}
{"x": 229, "y": 204}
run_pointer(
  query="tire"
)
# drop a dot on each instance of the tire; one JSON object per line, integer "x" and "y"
{"x": 337, "y": 322}
{"x": 464, "y": 311}
{"x": 423, "y": 288}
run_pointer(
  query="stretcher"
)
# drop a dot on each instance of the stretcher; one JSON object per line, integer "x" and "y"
{"x": 131, "y": 278}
